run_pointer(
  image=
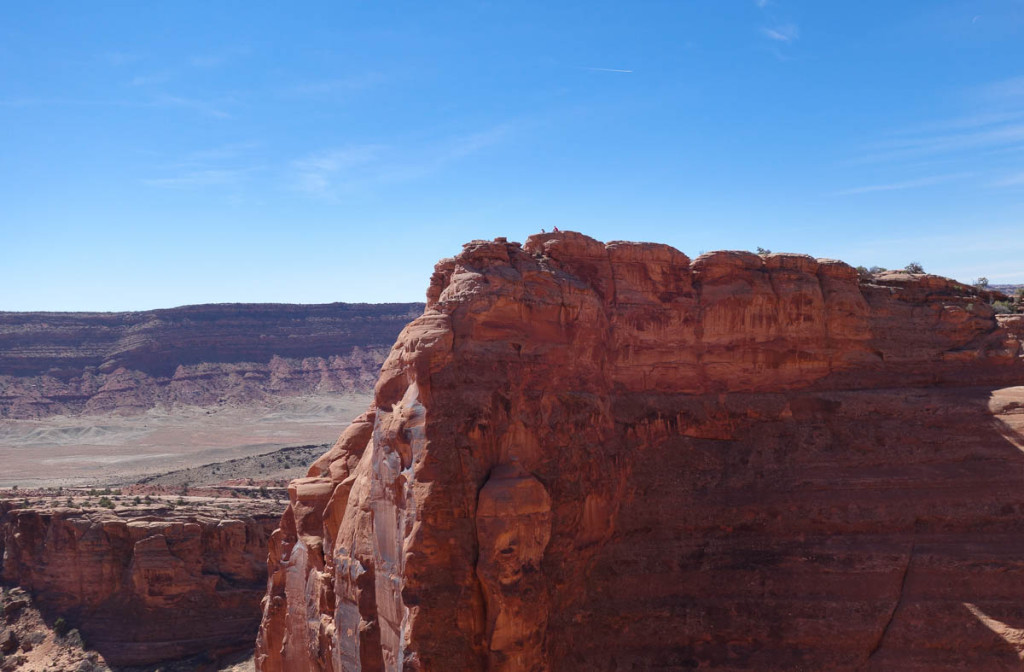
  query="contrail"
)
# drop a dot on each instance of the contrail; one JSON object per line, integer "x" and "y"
{"x": 605, "y": 69}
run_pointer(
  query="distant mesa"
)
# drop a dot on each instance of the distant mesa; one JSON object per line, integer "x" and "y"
{"x": 71, "y": 363}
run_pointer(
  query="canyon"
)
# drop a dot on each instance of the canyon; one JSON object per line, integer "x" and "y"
{"x": 199, "y": 409}
{"x": 589, "y": 456}
{"x": 143, "y": 582}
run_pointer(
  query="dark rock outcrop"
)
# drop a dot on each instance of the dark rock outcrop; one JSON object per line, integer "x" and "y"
{"x": 608, "y": 457}
{"x": 199, "y": 355}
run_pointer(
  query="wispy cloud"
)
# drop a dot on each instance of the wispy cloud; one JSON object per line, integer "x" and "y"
{"x": 762, "y": 3}
{"x": 994, "y": 126}
{"x": 320, "y": 172}
{"x": 151, "y": 79}
{"x": 119, "y": 58}
{"x": 206, "y": 61}
{"x": 1016, "y": 180}
{"x": 217, "y": 58}
{"x": 335, "y": 85}
{"x": 209, "y": 108}
{"x": 201, "y": 178}
{"x": 332, "y": 172}
{"x": 1005, "y": 91}
{"x": 225, "y": 165}
{"x": 786, "y": 32}
{"x": 212, "y": 108}
{"x": 906, "y": 184}
{"x": 584, "y": 67}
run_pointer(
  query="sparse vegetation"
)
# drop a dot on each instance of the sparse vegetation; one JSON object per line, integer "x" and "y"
{"x": 763, "y": 251}
{"x": 105, "y": 503}
{"x": 914, "y": 267}
{"x": 877, "y": 269}
{"x": 981, "y": 283}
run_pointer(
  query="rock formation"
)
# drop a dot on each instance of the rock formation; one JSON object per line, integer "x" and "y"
{"x": 143, "y": 584}
{"x": 608, "y": 457}
{"x": 204, "y": 355}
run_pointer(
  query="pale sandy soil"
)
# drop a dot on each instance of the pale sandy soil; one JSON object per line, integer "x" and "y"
{"x": 111, "y": 448}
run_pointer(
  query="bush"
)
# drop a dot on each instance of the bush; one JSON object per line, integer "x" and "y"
{"x": 981, "y": 283}
{"x": 1003, "y": 307}
{"x": 105, "y": 503}
{"x": 914, "y": 267}
{"x": 877, "y": 269}
{"x": 61, "y": 627}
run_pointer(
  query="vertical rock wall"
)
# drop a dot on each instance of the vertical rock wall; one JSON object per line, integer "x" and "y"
{"x": 142, "y": 587}
{"x": 606, "y": 457}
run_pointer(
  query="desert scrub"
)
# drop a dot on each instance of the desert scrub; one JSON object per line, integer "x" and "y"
{"x": 1003, "y": 307}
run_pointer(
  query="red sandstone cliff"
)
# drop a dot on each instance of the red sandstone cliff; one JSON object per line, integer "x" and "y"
{"x": 143, "y": 586}
{"x": 204, "y": 355}
{"x": 608, "y": 457}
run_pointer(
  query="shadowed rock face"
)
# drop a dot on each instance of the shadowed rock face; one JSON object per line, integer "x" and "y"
{"x": 200, "y": 355}
{"x": 608, "y": 457}
{"x": 143, "y": 587}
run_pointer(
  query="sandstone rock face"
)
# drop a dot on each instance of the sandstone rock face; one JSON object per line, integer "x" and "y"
{"x": 198, "y": 355}
{"x": 142, "y": 588}
{"x": 588, "y": 456}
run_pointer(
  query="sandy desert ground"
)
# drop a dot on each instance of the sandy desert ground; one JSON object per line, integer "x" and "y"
{"x": 115, "y": 449}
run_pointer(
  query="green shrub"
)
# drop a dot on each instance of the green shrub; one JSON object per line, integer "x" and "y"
{"x": 1003, "y": 307}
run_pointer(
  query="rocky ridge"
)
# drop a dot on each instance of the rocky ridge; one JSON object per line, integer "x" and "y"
{"x": 611, "y": 457}
{"x": 144, "y": 582}
{"x": 69, "y": 363}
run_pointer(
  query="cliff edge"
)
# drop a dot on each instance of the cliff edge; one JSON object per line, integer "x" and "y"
{"x": 589, "y": 456}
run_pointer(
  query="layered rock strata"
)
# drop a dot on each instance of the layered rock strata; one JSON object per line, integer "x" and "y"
{"x": 143, "y": 584}
{"x": 66, "y": 363}
{"x": 607, "y": 457}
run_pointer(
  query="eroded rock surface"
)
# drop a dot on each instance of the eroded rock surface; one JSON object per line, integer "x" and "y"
{"x": 607, "y": 457}
{"x": 143, "y": 584}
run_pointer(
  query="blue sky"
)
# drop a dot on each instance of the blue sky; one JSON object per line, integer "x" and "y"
{"x": 159, "y": 154}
